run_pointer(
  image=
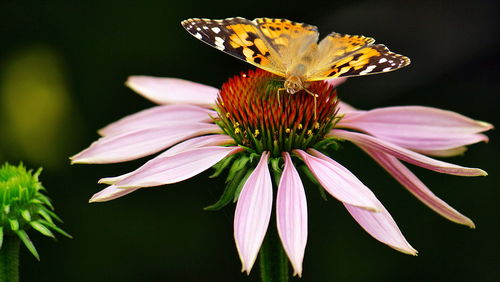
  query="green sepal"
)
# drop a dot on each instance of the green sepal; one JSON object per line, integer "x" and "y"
{"x": 14, "y": 224}
{"x": 275, "y": 164}
{"x": 229, "y": 192}
{"x": 277, "y": 177}
{"x": 6, "y": 208}
{"x": 41, "y": 228}
{"x": 53, "y": 215}
{"x": 45, "y": 200}
{"x": 221, "y": 166}
{"x": 239, "y": 164}
{"x": 277, "y": 171}
{"x": 26, "y": 215}
{"x": 43, "y": 212}
{"x": 241, "y": 183}
{"x": 27, "y": 242}
{"x": 253, "y": 156}
{"x": 313, "y": 179}
{"x": 1, "y": 236}
{"x": 48, "y": 214}
{"x": 55, "y": 228}
{"x": 37, "y": 173}
{"x": 328, "y": 145}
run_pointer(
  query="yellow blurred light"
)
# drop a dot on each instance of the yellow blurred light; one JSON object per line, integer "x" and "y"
{"x": 36, "y": 111}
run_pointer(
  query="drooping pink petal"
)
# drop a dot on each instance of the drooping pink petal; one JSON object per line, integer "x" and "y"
{"x": 338, "y": 181}
{"x": 405, "y": 154}
{"x": 110, "y": 193}
{"x": 335, "y": 82}
{"x": 291, "y": 214}
{"x": 142, "y": 142}
{"x": 253, "y": 212}
{"x": 382, "y": 227}
{"x": 163, "y": 90}
{"x": 404, "y": 176}
{"x": 418, "y": 128}
{"x": 176, "y": 168}
{"x": 164, "y": 114}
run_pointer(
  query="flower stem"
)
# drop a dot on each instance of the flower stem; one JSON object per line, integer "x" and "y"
{"x": 272, "y": 258}
{"x": 9, "y": 259}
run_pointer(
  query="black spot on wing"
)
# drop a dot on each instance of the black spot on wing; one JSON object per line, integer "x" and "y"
{"x": 332, "y": 73}
{"x": 251, "y": 36}
{"x": 355, "y": 57}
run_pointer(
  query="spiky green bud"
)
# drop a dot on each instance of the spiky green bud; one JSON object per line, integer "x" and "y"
{"x": 23, "y": 205}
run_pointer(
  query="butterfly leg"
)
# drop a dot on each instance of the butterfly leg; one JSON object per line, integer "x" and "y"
{"x": 315, "y": 98}
{"x": 278, "y": 92}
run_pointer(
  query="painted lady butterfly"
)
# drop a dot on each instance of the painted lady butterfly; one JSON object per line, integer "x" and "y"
{"x": 291, "y": 49}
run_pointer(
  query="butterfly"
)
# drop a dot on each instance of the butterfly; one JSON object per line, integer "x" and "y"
{"x": 291, "y": 50}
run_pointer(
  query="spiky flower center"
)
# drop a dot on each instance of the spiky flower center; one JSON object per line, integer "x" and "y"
{"x": 255, "y": 110}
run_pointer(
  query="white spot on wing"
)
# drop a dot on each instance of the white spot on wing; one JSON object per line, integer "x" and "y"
{"x": 387, "y": 69}
{"x": 383, "y": 60}
{"x": 368, "y": 69}
{"x": 219, "y": 43}
{"x": 216, "y": 30}
{"x": 198, "y": 35}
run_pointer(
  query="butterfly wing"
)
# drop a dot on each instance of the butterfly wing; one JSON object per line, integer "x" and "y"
{"x": 240, "y": 38}
{"x": 342, "y": 55}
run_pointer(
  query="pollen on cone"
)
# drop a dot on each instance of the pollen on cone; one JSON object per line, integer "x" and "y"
{"x": 256, "y": 111}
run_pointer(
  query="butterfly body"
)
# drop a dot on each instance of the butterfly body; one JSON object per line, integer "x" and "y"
{"x": 291, "y": 50}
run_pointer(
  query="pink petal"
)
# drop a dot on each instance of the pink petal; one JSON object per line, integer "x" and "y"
{"x": 173, "y": 90}
{"x": 405, "y": 154}
{"x": 346, "y": 108}
{"x": 444, "y": 153}
{"x": 110, "y": 193}
{"x": 335, "y": 82}
{"x": 338, "y": 181}
{"x": 418, "y": 128}
{"x": 253, "y": 212}
{"x": 115, "y": 179}
{"x": 172, "y": 169}
{"x": 382, "y": 227}
{"x": 291, "y": 214}
{"x": 190, "y": 144}
{"x": 198, "y": 142}
{"x": 402, "y": 174}
{"x": 142, "y": 142}
{"x": 165, "y": 114}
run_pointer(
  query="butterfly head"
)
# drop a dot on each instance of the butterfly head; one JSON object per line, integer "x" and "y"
{"x": 293, "y": 84}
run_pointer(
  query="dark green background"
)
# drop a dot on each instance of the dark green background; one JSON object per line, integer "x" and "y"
{"x": 162, "y": 234}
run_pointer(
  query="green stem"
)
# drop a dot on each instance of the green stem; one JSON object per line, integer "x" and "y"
{"x": 9, "y": 259}
{"x": 272, "y": 258}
